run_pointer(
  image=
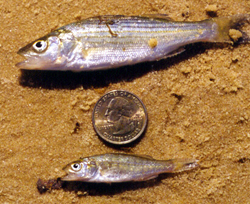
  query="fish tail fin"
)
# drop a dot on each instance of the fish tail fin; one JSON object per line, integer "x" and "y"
{"x": 228, "y": 28}
{"x": 179, "y": 165}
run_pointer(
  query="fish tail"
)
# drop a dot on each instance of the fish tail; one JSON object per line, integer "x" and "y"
{"x": 179, "y": 165}
{"x": 228, "y": 28}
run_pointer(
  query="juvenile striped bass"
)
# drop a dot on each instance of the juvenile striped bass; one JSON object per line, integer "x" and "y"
{"x": 111, "y": 168}
{"x": 106, "y": 42}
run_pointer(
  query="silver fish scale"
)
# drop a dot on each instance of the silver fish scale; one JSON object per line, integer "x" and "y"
{"x": 132, "y": 27}
{"x": 107, "y": 42}
{"x": 117, "y": 167}
{"x": 117, "y": 41}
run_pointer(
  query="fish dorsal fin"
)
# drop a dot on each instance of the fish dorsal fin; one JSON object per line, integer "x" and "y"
{"x": 137, "y": 155}
{"x": 157, "y": 16}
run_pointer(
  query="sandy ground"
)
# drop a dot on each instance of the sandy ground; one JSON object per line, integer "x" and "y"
{"x": 198, "y": 107}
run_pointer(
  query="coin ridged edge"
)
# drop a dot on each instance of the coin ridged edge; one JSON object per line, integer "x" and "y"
{"x": 128, "y": 141}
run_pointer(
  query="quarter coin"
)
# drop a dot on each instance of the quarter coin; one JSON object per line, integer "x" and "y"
{"x": 119, "y": 117}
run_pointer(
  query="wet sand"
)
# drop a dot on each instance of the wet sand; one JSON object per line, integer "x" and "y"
{"x": 198, "y": 107}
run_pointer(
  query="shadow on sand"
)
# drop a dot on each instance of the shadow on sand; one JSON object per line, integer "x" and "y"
{"x": 97, "y": 189}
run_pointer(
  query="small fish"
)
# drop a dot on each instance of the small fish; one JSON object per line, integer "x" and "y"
{"x": 110, "y": 168}
{"x": 106, "y": 42}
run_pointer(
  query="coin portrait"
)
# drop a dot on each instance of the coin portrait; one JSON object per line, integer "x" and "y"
{"x": 119, "y": 117}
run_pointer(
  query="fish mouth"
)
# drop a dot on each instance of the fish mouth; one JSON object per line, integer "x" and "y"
{"x": 40, "y": 63}
{"x": 68, "y": 178}
{"x": 29, "y": 64}
{"x": 21, "y": 65}
{"x": 72, "y": 177}
{"x": 33, "y": 62}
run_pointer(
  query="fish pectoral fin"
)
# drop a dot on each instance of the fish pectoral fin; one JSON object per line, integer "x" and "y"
{"x": 146, "y": 178}
{"x": 157, "y": 16}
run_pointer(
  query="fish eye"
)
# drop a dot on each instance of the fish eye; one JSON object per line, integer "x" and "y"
{"x": 40, "y": 45}
{"x": 76, "y": 166}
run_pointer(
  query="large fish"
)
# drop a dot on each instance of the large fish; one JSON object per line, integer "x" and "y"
{"x": 107, "y": 42}
{"x": 110, "y": 168}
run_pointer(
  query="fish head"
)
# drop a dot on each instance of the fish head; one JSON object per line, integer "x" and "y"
{"x": 80, "y": 170}
{"x": 47, "y": 53}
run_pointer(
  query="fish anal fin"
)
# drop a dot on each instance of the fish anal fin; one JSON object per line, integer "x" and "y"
{"x": 174, "y": 53}
{"x": 146, "y": 178}
{"x": 157, "y": 16}
{"x": 145, "y": 156}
